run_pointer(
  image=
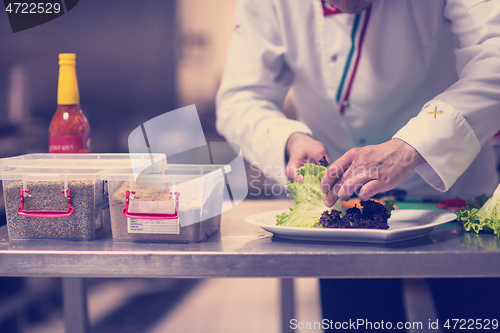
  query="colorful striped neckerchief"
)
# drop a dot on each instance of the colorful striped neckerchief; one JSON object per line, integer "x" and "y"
{"x": 329, "y": 9}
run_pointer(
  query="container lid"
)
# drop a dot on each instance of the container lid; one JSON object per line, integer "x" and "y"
{"x": 100, "y": 166}
{"x": 76, "y": 166}
{"x": 158, "y": 172}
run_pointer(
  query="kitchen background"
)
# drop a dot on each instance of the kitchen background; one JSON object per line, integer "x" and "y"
{"x": 135, "y": 61}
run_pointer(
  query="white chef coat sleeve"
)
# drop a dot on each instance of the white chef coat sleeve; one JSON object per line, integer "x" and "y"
{"x": 254, "y": 84}
{"x": 451, "y": 129}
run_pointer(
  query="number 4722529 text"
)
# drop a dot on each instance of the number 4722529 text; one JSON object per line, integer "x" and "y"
{"x": 33, "y": 8}
{"x": 471, "y": 324}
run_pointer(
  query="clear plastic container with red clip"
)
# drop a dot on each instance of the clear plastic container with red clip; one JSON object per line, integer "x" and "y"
{"x": 59, "y": 196}
{"x": 177, "y": 203}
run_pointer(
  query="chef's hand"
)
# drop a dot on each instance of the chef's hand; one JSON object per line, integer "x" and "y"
{"x": 302, "y": 149}
{"x": 369, "y": 170}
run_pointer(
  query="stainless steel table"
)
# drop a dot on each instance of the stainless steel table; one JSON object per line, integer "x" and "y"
{"x": 242, "y": 250}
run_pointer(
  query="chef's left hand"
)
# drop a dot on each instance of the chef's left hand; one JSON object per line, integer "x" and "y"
{"x": 369, "y": 170}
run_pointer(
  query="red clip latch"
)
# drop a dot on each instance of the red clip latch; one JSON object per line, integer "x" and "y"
{"x": 45, "y": 213}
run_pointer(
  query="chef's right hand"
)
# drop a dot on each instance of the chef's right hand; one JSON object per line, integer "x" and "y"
{"x": 302, "y": 149}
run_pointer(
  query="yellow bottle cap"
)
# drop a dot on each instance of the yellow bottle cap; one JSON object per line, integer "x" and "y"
{"x": 67, "y": 91}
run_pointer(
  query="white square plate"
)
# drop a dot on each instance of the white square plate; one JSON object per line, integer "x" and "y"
{"x": 404, "y": 224}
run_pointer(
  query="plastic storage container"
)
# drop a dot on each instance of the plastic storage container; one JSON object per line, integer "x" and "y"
{"x": 173, "y": 203}
{"x": 60, "y": 196}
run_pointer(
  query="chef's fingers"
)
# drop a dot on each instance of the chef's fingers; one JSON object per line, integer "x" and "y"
{"x": 291, "y": 169}
{"x": 316, "y": 153}
{"x": 337, "y": 169}
{"x": 296, "y": 162}
{"x": 373, "y": 187}
{"x": 332, "y": 197}
{"x": 352, "y": 184}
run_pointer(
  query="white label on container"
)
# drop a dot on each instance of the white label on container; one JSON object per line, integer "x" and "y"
{"x": 148, "y": 226}
{"x": 164, "y": 207}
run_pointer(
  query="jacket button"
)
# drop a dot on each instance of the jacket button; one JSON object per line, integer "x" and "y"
{"x": 333, "y": 58}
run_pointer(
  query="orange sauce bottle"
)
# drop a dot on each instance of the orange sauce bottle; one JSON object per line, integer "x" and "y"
{"x": 69, "y": 130}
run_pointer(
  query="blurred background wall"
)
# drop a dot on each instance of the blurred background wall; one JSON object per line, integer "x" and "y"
{"x": 204, "y": 28}
{"x": 135, "y": 60}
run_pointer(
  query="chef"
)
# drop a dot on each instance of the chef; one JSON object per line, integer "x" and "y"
{"x": 399, "y": 93}
{"x": 410, "y": 85}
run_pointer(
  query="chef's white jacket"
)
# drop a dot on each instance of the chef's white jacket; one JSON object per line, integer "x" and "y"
{"x": 424, "y": 71}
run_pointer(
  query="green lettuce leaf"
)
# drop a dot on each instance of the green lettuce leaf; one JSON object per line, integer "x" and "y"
{"x": 481, "y": 214}
{"x": 308, "y": 198}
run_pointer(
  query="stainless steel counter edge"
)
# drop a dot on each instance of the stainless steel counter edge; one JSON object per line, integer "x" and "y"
{"x": 207, "y": 265}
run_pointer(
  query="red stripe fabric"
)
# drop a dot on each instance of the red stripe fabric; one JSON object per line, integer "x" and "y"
{"x": 329, "y": 9}
{"x": 345, "y": 101}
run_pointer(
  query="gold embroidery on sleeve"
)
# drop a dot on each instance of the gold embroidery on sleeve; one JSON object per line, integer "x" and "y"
{"x": 435, "y": 112}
